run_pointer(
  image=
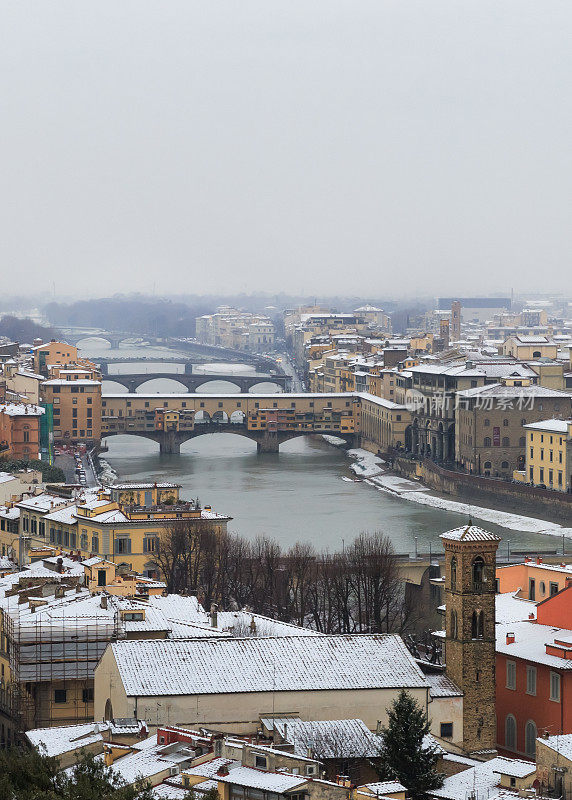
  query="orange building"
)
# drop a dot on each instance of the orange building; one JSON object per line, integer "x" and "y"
{"x": 534, "y": 675}
{"x": 52, "y": 356}
{"x": 20, "y": 430}
{"x": 53, "y": 353}
{"x": 77, "y": 407}
{"x": 534, "y": 579}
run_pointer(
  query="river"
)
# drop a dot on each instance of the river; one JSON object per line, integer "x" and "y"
{"x": 301, "y": 494}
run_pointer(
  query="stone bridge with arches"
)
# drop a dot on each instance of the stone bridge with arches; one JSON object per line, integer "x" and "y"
{"x": 192, "y": 381}
{"x": 240, "y": 414}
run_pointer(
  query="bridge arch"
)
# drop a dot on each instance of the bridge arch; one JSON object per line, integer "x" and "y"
{"x": 111, "y": 386}
{"x": 152, "y": 385}
{"x": 266, "y": 386}
{"x": 220, "y": 386}
{"x": 92, "y": 338}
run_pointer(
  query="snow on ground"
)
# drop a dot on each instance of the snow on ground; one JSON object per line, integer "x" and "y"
{"x": 515, "y": 522}
{"x": 333, "y": 440}
{"x": 397, "y": 484}
{"x": 366, "y": 464}
{"x": 107, "y": 474}
{"x": 418, "y": 493}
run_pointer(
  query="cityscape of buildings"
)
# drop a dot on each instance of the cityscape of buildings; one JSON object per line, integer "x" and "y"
{"x": 116, "y": 638}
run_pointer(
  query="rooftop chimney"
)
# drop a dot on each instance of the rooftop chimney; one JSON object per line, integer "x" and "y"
{"x": 510, "y": 638}
{"x": 60, "y": 565}
{"x": 539, "y": 559}
{"x": 104, "y": 601}
{"x": 214, "y": 615}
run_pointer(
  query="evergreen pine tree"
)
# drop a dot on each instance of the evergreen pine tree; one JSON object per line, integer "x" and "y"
{"x": 403, "y": 756}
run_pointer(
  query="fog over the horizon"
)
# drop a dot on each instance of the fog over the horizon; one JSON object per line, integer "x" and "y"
{"x": 375, "y": 147}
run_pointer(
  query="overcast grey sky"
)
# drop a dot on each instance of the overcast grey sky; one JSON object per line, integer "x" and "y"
{"x": 373, "y": 146}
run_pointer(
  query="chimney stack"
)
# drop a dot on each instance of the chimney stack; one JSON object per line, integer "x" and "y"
{"x": 510, "y": 638}
{"x": 214, "y": 615}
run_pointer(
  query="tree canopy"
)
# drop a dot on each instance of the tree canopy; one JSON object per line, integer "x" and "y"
{"x": 29, "y": 775}
{"x": 407, "y": 756}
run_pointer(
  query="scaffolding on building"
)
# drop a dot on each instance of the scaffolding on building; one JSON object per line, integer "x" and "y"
{"x": 55, "y": 652}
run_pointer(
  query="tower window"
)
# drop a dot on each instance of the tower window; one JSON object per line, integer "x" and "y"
{"x": 477, "y": 625}
{"x": 453, "y": 574}
{"x": 478, "y": 573}
{"x": 454, "y": 627}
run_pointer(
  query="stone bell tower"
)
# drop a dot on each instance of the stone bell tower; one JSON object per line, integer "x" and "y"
{"x": 470, "y": 568}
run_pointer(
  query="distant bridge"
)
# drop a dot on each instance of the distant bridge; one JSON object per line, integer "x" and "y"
{"x": 192, "y": 381}
{"x": 74, "y": 335}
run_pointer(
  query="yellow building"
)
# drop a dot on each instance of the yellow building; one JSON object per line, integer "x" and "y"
{"x": 549, "y": 454}
{"x": 76, "y": 404}
{"x": 422, "y": 343}
{"x": 125, "y": 525}
{"x": 529, "y": 348}
{"x": 382, "y": 422}
{"x": 53, "y": 353}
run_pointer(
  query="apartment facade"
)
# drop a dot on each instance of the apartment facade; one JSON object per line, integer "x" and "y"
{"x": 490, "y": 424}
{"x": 549, "y": 454}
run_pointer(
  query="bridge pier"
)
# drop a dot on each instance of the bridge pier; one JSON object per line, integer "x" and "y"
{"x": 169, "y": 443}
{"x": 268, "y": 443}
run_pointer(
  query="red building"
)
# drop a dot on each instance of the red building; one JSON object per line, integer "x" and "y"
{"x": 20, "y": 430}
{"x": 534, "y": 675}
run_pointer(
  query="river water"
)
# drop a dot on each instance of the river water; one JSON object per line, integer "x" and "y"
{"x": 301, "y": 494}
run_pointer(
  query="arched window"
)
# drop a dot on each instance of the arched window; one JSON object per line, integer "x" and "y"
{"x": 477, "y": 625}
{"x": 453, "y": 573}
{"x": 510, "y": 732}
{"x": 522, "y": 441}
{"x": 478, "y": 573}
{"x": 537, "y": 354}
{"x": 454, "y": 626}
{"x": 504, "y": 465}
{"x": 530, "y": 734}
{"x": 487, "y": 465}
{"x": 505, "y": 441}
{"x": 487, "y": 441}
{"x": 108, "y": 714}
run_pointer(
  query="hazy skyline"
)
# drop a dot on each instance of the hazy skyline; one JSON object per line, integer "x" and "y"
{"x": 361, "y": 148}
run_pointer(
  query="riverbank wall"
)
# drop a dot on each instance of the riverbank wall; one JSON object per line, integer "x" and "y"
{"x": 512, "y": 497}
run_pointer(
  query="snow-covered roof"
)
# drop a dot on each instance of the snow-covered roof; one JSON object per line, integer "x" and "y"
{"x": 442, "y": 686}
{"x": 43, "y": 502}
{"x": 562, "y": 744}
{"x": 56, "y": 741}
{"x": 500, "y": 390}
{"x": 21, "y": 409}
{"x": 381, "y": 788}
{"x": 470, "y": 533}
{"x": 127, "y": 486}
{"x": 514, "y": 767}
{"x": 278, "y": 782}
{"x": 293, "y": 663}
{"x": 483, "y": 778}
{"x": 530, "y": 640}
{"x": 511, "y": 608}
{"x": 550, "y": 425}
{"x": 350, "y": 738}
{"x": 65, "y": 516}
{"x": 64, "y": 382}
